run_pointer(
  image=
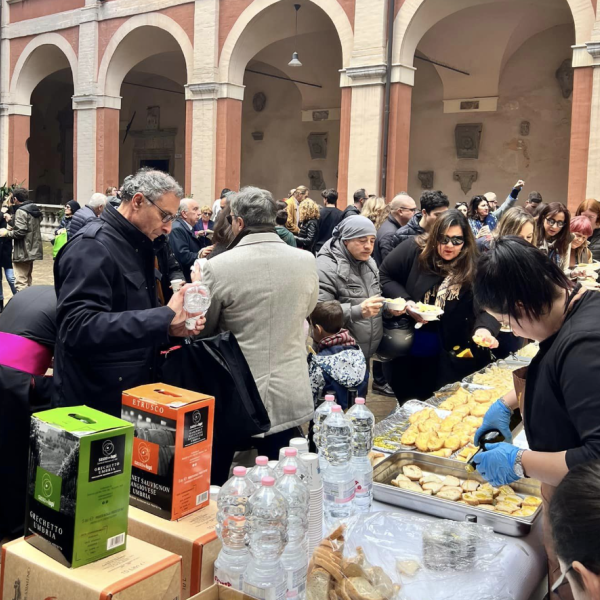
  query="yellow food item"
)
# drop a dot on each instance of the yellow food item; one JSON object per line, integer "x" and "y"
{"x": 483, "y": 497}
{"x": 489, "y": 507}
{"x": 506, "y": 490}
{"x": 449, "y": 423}
{"x": 447, "y": 404}
{"x": 465, "y": 354}
{"x": 435, "y": 443}
{"x": 490, "y": 489}
{"x": 470, "y": 485}
{"x": 480, "y": 410}
{"x": 409, "y": 438}
{"x": 444, "y": 453}
{"x": 482, "y": 396}
{"x": 506, "y": 507}
{"x": 426, "y": 308}
{"x": 512, "y": 498}
{"x": 430, "y": 425}
{"x": 470, "y": 498}
{"x": 484, "y": 342}
{"x": 452, "y": 442}
{"x": 443, "y": 435}
{"x": 525, "y": 511}
{"x": 531, "y": 501}
{"x": 472, "y": 421}
{"x": 422, "y": 441}
{"x": 461, "y": 411}
{"x": 413, "y": 472}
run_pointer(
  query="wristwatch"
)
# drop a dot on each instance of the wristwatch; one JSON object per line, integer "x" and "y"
{"x": 518, "y": 466}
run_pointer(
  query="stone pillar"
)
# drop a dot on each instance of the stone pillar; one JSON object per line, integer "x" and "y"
{"x": 229, "y": 144}
{"x": 592, "y": 189}
{"x": 399, "y": 139}
{"x": 107, "y": 147}
{"x": 18, "y": 118}
{"x": 345, "y": 117}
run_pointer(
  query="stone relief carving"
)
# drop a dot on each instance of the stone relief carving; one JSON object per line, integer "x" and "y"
{"x": 316, "y": 180}
{"x": 524, "y": 128}
{"x": 469, "y": 105}
{"x": 153, "y": 118}
{"x": 259, "y": 102}
{"x": 317, "y": 144}
{"x": 320, "y": 115}
{"x": 467, "y": 137}
{"x": 258, "y": 136}
{"x": 466, "y": 179}
{"x": 426, "y": 179}
{"x": 564, "y": 76}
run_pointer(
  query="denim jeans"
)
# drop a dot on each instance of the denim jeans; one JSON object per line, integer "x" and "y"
{"x": 10, "y": 277}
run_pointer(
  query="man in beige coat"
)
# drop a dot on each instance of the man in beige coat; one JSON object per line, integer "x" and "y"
{"x": 262, "y": 291}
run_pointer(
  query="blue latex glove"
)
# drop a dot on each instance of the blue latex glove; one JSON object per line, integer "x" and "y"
{"x": 497, "y": 417}
{"x": 497, "y": 463}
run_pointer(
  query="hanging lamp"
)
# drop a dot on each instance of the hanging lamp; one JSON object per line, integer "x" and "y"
{"x": 295, "y": 62}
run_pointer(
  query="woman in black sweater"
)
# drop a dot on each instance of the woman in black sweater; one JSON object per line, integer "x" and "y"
{"x": 437, "y": 269}
{"x": 309, "y": 225}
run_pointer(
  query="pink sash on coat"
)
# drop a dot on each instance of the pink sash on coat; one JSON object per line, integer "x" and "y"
{"x": 23, "y": 354}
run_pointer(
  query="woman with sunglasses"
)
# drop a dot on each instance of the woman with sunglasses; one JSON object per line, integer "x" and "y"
{"x": 553, "y": 233}
{"x": 437, "y": 269}
{"x": 205, "y": 226}
{"x": 481, "y": 221}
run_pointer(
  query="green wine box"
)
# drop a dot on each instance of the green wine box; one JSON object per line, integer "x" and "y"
{"x": 78, "y": 483}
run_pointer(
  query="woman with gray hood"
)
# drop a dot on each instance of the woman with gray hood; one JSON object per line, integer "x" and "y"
{"x": 347, "y": 273}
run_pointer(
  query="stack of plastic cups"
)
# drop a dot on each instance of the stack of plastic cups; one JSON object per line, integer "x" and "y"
{"x": 315, "y": 487}
{"x": 301, "y": 444}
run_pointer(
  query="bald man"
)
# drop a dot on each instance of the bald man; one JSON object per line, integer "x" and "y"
{"x": 402, "y": 210}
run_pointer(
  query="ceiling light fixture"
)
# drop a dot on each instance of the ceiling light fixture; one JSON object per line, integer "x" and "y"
{"x": 295, "y": 62}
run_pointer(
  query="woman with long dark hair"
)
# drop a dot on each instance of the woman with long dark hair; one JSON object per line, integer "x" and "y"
{"x": 437, "y": 269}
{"x": 553, "y": 233}
{"x": 481, "y": 221}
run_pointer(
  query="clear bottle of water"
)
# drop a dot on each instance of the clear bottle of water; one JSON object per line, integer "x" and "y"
{"x": 295, "y": 558}
{"x": 267, "y": 514}
{"x": 232, "y": 503}
{"x": 338, "y": 479}
{"x": 291, "y": 458}
{"x": 196, "y": 302}
{"x": 259, "y": 470}
{"x": 363, "y": 421}
{"x": 322, "y": 412}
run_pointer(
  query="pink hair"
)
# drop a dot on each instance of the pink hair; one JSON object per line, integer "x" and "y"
{"x": 581, "y": 225}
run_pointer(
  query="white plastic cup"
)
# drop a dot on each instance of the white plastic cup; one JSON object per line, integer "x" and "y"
{"x": 301, "y": 444}
{"x": 311, "y": 462}
{"x": 177, "y": 284}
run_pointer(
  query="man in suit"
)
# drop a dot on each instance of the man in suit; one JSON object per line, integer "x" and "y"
{"x": 186, "y": 246}
{"x": 92, "y": 210}
{"x": 262, "y": 291}
{"x": 330, "y": 217}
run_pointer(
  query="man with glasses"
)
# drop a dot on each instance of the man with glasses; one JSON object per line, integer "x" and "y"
{"x": 402, "y": 210}
{"x": 187, "y": 247}
{"x": 110, "y": 326}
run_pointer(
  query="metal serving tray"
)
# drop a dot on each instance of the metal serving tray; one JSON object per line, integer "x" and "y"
{"x": 383, "y": 491}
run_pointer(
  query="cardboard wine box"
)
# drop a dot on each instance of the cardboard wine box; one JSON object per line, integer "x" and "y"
{"x": 140, "y": 572}
{"x": 172, "y": 448}
{"x": 78, "y": 484}
{"x": 221, "y": 592}
{"x": 193, "y": 537}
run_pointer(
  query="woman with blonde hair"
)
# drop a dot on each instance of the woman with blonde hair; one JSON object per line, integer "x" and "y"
{"x": 373, "y": 208}
{"x": 308, "y": 218}
{"x": 590, "y": 208}
{"x": 516, "y": 221}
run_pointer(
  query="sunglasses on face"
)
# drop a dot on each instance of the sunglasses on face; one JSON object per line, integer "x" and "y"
{"x": 444, "y": 240}
{"x": 552, "y": 223}
{"x": 207, "y": 214}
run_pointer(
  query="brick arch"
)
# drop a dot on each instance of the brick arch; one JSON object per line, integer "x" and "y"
{"x": 118, "y": 60}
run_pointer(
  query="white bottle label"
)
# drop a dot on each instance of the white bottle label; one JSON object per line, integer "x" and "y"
{"x": 364, "y": 484}
{"x": 230, "y": 580}
{"x": 339, "y": 492}
{"x": 270, "y": 593}
{"x": 296, "y": 580}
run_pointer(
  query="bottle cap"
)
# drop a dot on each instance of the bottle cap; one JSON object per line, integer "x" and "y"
{"x": 262, "y": 461}
{"x": 239, "y": 471}
{"x": 336, "y": 409}
{"x": 291, "y": 451}
{"x": 289, "y": 469}
{"x": 268, "y": 481}
{"x": 330, "y": 398}
{"x": 291, "y": 594}
{"x": 360, "y": 401}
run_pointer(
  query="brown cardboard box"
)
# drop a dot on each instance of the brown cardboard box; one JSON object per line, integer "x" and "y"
{"x": 140, "y": 571}
{"x": 220, "y": 592}
{"x": 192, "y": 537}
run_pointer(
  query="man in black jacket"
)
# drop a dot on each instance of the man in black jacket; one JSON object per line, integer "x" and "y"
{"x": 110, "y": 325}
{"x": 92, "y": 210}
{"x": 402, "y": 209}
{"x": 330, "y": 217}
{"x": 360, "y": 197}
{"x": 185, "y": 244}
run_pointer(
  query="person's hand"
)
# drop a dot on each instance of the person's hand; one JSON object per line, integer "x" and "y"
{"x": 200, "y": 233}
{"x": 497, "y": 463}
{"x": 371, "y": 307}
{"x": 482, "y": 337}
{"x": 497, "y": 417}
{"x": 8, "y": 217}
{"x": 62, "y": 230}
{"x": 204, "y": 253}
{"x": 576, "y": 273}
{"x": 410, "y": 311}
{"x": 519, "y": 184}
{"x": 177, "y": 327}
{"x": 484, "y": 231}
{"x": 3, "y": 233}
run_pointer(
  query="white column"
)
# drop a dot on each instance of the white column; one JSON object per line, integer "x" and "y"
{"x": 593, "y": 175}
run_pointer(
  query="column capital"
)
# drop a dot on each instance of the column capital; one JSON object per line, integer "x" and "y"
{"x": 212, "y": 90}
{"x": 582, "y": 56}
{"x": 15, "y": 109}
{"x": 593, "y": 49}
{"x": 363, "y": 75}
{"x": 403, "y": 74}
{"x": 93, "y": 101}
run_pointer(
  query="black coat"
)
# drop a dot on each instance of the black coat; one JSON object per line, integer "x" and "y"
{"x": 594, "y": 244}
{"x": 168, "y": 267}
{"x": 5, "y": 247}
{"x": 329, "y": 218}
{"x": 411, "y": 229}
{"x": 80, "y": 219}
{"x": 349, "y": 211}
{"x": 402, "y": 276}
{"x": 308, "y": 235}
{"x": 185, "y": 246}
{"x": 110, "y": 327}
{"x": 384, "y": 242}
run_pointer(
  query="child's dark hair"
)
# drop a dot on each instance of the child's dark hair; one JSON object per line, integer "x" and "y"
{"x": 328, "y": 315}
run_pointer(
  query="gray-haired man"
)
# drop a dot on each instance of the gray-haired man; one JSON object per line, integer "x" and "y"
{"x": 92, "y": 210}
{"x": 262, "y": 291}
{"x": 186, "y": 246}
{"x": 110, "y": 325}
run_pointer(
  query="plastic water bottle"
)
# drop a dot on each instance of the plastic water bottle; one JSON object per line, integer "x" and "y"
{"x": 232, "y": 504}
{"x": 321, "y": 414}
{"x": 291, "y": 458}
{"x": 196, "y": 301}
{"x": 267, "y": 514}
{"x": 260, "y": 470}
{"x": 363, "y": 422}
{"x": 338, "y": 479}
{"x": 295, "y": 558}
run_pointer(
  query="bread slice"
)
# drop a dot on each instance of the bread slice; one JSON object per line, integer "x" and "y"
{"x": 413, "y": 486}
{"x": 338, "y": 533}
{"x": 328, "y": 565}
{"x": 381, "y": 582}
{"x": 525, "y": 511}
{"x": 470, "y": 485}
{"x": 413, "y": 472}
{"x": 407, "y": 567}
{"x": 429, "y": 479}
{"x": 449, "y": 493}
{"x": 506, "y": 490}
{"x": 434, "y": 486}
{"x": 359, "y": 588}
{"x": 341, "y": 591}
{"x": 506, "y": 507}
{"x": 444, "y": 452}
{"x": 328, "y": 554}
{"x": 352, "y": 569}
{"x": 318, "y": 585}
{"x": 469, "y": 498}
{"x": 512, "y": 498}
{"x": 531, "y": 501}
{"x": 451, "y": 481}
{"x": 398, "y": 479}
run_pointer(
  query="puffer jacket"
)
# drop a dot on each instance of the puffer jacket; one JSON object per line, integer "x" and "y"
{"x": 350, "y": 281}
{"x": 409, "y": 230}
{"x": 594, "y": 244}
{"x": 27, "y": 234}
{"x": 308, "y": 236}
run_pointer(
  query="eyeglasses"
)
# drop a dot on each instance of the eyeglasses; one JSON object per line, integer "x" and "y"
{"x": 580, "y": 236}
{"x": 444, "y": 240}
{"x": 230, "y": 218}
{"x": 411, "y": 210}
{"x": 207, "y": 214}
{"x": 167, "y": 217}
{"x": 552, "y": 223}
{"x": 561, "y": 582}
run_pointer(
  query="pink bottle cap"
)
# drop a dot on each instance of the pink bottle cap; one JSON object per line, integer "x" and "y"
{"x": 239, "y": 471}
{"x": 291, "y": 594}
{"x": 330, "y": 398}
{"x": 289, "y": 469}
{"x": 359, "y": 401}
{"x": 268, "y": 481}
{"x": 262, "y": 461}
{"x": 291, "y": 451}
{"x": 336, "y": 409}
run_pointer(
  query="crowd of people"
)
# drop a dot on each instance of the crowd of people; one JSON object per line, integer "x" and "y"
{"x": 304, "y": 288}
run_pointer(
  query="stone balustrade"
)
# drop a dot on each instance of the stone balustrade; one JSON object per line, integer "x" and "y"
{"x": 50, "y": 220}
